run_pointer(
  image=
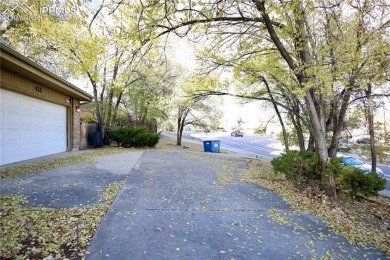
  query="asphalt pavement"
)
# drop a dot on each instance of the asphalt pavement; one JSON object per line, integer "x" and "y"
{"x": 174, "y": 206}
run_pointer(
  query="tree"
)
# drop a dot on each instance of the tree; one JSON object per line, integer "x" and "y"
{"x": 147, "y": 98}
{"x": 324, "y": 61}
{"x": 194, "y": 109}
{"x": 297, "y": 50}
{"x": 106, "y": 53}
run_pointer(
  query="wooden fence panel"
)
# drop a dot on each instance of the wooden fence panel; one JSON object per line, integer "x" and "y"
{"x": 87, "y": 131}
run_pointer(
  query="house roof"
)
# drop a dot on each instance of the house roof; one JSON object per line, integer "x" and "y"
{"x": 15, "y": 62}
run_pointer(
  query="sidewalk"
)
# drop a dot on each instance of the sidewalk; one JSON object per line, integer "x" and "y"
{"x": 174, "y": 206}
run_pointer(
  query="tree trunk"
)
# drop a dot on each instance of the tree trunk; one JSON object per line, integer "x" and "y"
{"x": 298, "y": 128}
{"x": 339, "y": 122}
{"x": 180, "y": 134}
{"x": 285, "y": 136}
{"x": 310, "y": 146}
{"x": 101, "y": 98}
{"x": 144, "y": 114}
{"x": 99, "y": 115}
{"x": 111, "y": 93}
{"x": 118, "y": 101}
{"x": 318, "y": 132}
{"x": 319, "y": 135}
{"x": 178, "y": 137}
{"x": 314, "y": 101}
{"x": 179, "y": 128}
{"x": 371, "y": 126}
{"x": 109, "y": 107}
{"x": 295, "y": 119}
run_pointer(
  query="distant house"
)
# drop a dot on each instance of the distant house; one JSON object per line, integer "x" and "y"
{"x": 38, "y": 110}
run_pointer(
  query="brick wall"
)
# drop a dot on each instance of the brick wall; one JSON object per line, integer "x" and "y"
{"x": 75, "y": 145}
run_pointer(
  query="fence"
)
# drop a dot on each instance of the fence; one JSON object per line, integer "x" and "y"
{"x": 87, "y": 134}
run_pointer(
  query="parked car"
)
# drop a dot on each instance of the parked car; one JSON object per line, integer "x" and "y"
{"x": 363, "y": 140}
{"x": 237, "y": 133}
{"x": 353, "y": 162}
{"x": 344, "y": 144}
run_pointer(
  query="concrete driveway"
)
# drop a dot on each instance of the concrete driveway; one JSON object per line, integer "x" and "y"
{"x": 72, "y": 185}
{"x": 174, "y": 205}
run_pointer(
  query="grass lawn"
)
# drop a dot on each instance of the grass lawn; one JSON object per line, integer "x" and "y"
{"x": 167, "y": 143}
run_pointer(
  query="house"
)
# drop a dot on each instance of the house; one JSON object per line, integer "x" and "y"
{"x": 38, "y": 110}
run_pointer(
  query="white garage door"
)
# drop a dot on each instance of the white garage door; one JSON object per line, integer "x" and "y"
{"x": 30, "y": 127}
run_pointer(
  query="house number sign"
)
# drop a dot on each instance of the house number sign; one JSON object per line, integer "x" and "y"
{"x": 38, "y": 89}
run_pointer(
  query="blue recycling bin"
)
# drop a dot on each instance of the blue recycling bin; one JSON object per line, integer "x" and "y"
{"x": 213, "y": 146}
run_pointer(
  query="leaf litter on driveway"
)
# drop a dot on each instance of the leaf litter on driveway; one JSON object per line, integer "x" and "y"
{"x": 54, "y": 210}
{"x": 211, "y": 212}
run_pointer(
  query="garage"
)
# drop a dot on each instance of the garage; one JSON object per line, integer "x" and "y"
{"x": 38, "y": 110}
{"x": 30, "y": 127}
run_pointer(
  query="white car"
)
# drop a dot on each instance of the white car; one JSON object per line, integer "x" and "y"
{"x": 353, "y": 162}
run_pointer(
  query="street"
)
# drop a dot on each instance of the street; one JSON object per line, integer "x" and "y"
{"x": 261, "y": 147}
{"x": 252, "y": 145}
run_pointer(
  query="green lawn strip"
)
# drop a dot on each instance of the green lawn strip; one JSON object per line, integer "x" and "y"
{"x": 55, "y": 162}
{"x": 364, "y": 222}
{"x": 167, "y": 143}
{"x": 36, "y": 233}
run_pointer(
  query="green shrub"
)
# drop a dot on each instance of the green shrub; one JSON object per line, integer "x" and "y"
{"x": 282, "y": 164}
{"x": 334, "y": 167}
{"x": 302, "y": 167}
{"x": 133, "y": 137}
{"x": 354, "y": 183}
{"x": 117, "y": 134}
{"x": 298, "y": 167}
